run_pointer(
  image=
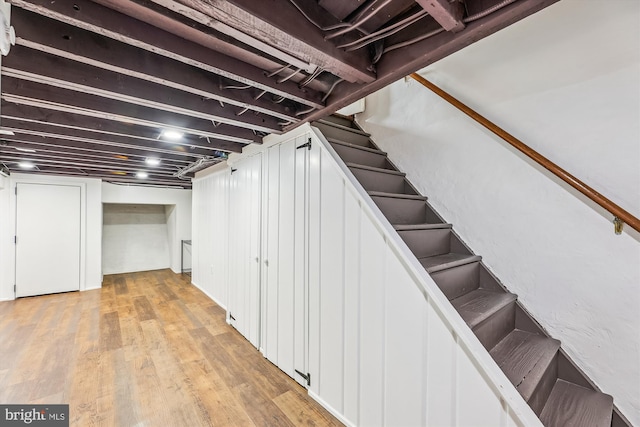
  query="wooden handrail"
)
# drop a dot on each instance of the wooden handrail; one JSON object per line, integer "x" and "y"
{"x": 621, "y": 216}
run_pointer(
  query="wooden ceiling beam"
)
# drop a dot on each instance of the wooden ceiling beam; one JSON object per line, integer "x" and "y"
{"x": 222, "y": 137}
{"x": 27, "y": 64}
{"x": 279, "y": 25}
{"x": 112, "y": 24}
{"x": 127, "y": 179}
{"x": 81, "y": 161}
{"x": 43, "y": 159}
{"x": 404, "y": 61}
{"x": 50, "y": 142}
{"x": 57, "y": 122}
{"x": 47, "y": 35}
{"x": 448, "y": 15}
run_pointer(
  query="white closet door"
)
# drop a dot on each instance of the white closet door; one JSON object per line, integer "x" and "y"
{"x": 48, "y": 234}
{"x": 244, "y": 244}
{"x": 285, "y": 339}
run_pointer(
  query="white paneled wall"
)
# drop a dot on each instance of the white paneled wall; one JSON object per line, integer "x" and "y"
{"x": 245, "y": 252}
{"x": 342, "y": 294}
{"x": 210, "y": 235}
{"x": 284, "y": 284}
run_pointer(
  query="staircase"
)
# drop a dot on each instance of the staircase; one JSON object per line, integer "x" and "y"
{"x": 554, "y": 388}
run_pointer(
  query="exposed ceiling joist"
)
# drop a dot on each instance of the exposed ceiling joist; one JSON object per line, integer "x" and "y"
{"x": 46, "y": 35}
{"x": 25, "y": 64}
{"x": 19, "y": 118}
{"x": 109, "y": 23}
{"x": 277, "y": 23}
{"x": 87, "y": 161}
{"x": 448, "y": 14}
{"x": 27, "y": 139}
{"x": 22, "y": 92}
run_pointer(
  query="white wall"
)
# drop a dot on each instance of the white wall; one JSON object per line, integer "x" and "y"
{"x": 92, "y": 229}
{"x": 135, "y": 238}
{"x": 6, "y": 242}
{"x": 210, "y": 232}
{"x": 112, "y": 193}
{"x": 565, "y": 81}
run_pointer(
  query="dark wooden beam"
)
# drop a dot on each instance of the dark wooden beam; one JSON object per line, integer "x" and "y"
{"x": 126, "y": 179}
{"x": 63, "y": 40}
{"x": 223, "y": 137}
{"x": 27, "y": 64}
{"x": 402, "y": 62}
{"x": 448, "y": 15}
{"x": 181, "y": 26}
{"x": 384, "y": 14}
{"x": 51, "y": 123}
{"x": 107, "y": 22}
{"x": 84, "y": 161}
{"x": 279, "y": 24}
{"x": 174, "y": 23}
{"x": 51, "y": 142}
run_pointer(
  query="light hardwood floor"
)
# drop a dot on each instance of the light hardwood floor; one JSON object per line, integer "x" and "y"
{"x": 148, "y": 349}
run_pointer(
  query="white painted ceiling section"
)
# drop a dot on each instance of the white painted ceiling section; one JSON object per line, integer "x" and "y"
{"x": 569, "y": 88}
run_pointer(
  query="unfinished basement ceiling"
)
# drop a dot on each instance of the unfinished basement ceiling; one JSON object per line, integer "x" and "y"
{"x": 108, "y": 88}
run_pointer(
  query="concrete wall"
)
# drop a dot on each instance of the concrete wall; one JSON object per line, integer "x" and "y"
{"x": 565, "y": 81}
{"x": 179, "y": 221}
{"x": 135, "y": 238}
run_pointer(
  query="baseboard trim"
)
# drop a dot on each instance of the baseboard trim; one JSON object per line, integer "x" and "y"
{"x": 329, "y": 408}
{"x": 222, "y": 306}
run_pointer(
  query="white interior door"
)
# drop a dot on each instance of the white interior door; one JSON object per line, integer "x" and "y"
{"x": 245, "y": 248}
{"x": 48, "y": 225}
{"x": 286, "y": 300}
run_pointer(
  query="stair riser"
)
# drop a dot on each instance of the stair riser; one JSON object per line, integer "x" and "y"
{"x": 495, "y": 328}
{"x": 543, "y": 390}
{"x": 361, "y": 157}
{"x": 457, "y": 281}
{"x": 383, "y": 182}
{"x": 406, "y": 211}
{"x": 427, "y": 243}
{"x": 331, "y": 132}
{"x": 340, "y": 121}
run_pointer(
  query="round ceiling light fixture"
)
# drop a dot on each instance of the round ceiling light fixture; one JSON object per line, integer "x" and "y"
{"x": 171, "y": 134}
{"x": 26, "y": 165}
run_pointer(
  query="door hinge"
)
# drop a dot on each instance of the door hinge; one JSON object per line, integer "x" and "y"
{"x": 306, "y": 377}
{"x": 307, "y": 144}
{"x": 15, "y": 240}
{"x": 14, "y": 289}
{"x": 231, "y": 316}
{"x": 15, "y": 190}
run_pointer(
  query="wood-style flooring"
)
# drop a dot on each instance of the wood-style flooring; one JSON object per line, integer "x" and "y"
{"x": 148, "y": 349}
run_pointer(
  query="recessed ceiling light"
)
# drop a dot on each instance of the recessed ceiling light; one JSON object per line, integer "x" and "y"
{"x": 142, "y": 175}
{"x": 152, "y": 161}
{"x": 7, "y": 132}
{"x": 171, "y": 134}
{"x": 25, "y": 150}
{"x": 26, "y": 165}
